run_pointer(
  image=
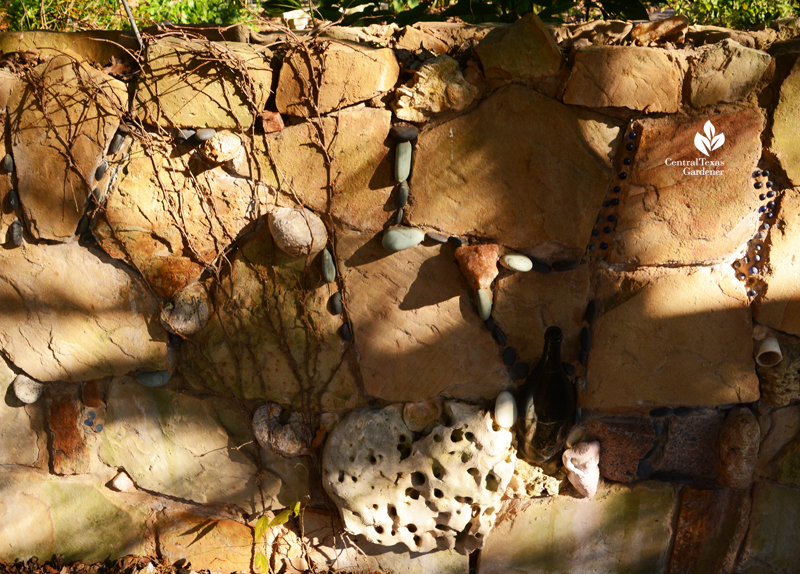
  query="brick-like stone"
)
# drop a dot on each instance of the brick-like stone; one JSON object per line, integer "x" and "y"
{"x": 69, "y": 453}
{"x": 624, "y": 441}
{"x": 690, "y": 449}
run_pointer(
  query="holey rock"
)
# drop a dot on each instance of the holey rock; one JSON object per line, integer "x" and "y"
{"x": 439, "y": 492}
{"x": 438, "y": 86}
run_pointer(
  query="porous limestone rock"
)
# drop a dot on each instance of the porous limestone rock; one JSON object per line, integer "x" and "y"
{"x": 221, "y": 147}
{"x": 297, "y": 231}
{"x": 530, "y": 481}
{"x": 786, "y": 125}
{"x": 64, "y": 102}
{"x": 352, "y": 73}
{"x": 202, "y": 84}
{"x": 739, "y": 442}
{"x": 478, "y": 263}
{"x": 441, "y": 491}
{"x": 290, "y": 438}
{"x": 188, "y": 312}
{"x": 644, "y": 79}
{"x": 581, "y": 462}
{"x": 438, "y": 86}
{"x": 725, "y": 72}
{"x": 73, "y": 315}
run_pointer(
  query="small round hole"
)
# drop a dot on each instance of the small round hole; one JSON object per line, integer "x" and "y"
{"x": 474, "y": 472}
{"x": 372, "y": 459}
{"x": 465, "y": 456}
{"x": 341, "y": 476}
{"x": 354, "y": 479}
{"x": 470, "y": 437}
{"x": 438, "y": 493}
{"x": 437, "y": 438}
{"x": 411, "y": 528}
{"x": 457, "y": 435}
{"x": 417, "y": 540}
{"x": 417, "y": 479}
{"x": 379, "y": 529}
{"x": 412, "y": 493}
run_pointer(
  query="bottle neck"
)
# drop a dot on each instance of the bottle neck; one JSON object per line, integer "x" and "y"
{"x": 552, "y": 353}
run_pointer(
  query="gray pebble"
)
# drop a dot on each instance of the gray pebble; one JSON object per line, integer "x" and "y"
{"x": 101, "y": 170}
{"x": 509, "y": 356}
{"x": 347, "y": 336}
{"x": 185, "y": 135}
{"x": 490, "y": 324}
{"x": 83, "y": 225}
{"x": 400, "y": 238}
{"x": 27, "y": 389}
{"x": 568, "y": 368}
{"x": 8, "y": 163}
{"x": 516, "y": 262}
{"x": 16, "y": 233}
{"x": 97, "y": 193}
{"x": 404, "y": 133}
{"x": 401, "y": 195}
{"x": 116, "y": 143}
{"x": 519, "y": 371}
{"x": 591, "y": 311}
{"x": 658, "y": 427}
{"x": 402, "y": 162}
{"x": 13, "y": 199}
{"x": 336, "y": 303}
{"x": 328, "y": 266}
{"x": 540, "y": 266}
{"x": 398, "y": 218}
{"x": 483, "y": 301}
{"x": 152, "y": 378}
{"x": 204, "y": 134}
{"x": 437, "y": 237}
{"x": 586, "y": 339}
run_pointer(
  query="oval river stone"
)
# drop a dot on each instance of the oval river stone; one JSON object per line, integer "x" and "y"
{"x": 484, "y": 303}
{"x": 402, "y": 162}
{"x": 27, "y": 390}
{"x": 516, "y": 262}
{"x": 505, "y": 410}
{"x": 399, "y": 238}
{"x": 153, "y": 378}
{"x": 328, "y": 266}
{"x": 204, "y": 134}
{"x": 401, "y": 196}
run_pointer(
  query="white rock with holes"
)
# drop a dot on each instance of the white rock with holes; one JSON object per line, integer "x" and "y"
{"x": 440, "y": 491}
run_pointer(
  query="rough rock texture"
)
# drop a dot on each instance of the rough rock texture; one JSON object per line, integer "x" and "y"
{"x": 774, "y": 514}
{"x": 441, "y": 491}
{"x": 690, "y": 449}
{"x": 786, "y": 126}
{"x": 72, "y": 315}
{"x": 623, "y": 442}
{"x": 18, "y": 443}
{"x": 667, "y": 30}
{"x": 169, "y": 218}
{"x": 710, "y": 529}
{"x": 298, "y": 232}
{"x": 779, "y": 307}
{"x": 77, "y": 116}
{"x": 778, "y": 429}
{"x": 668, "y": 216}
{"x": 725, "y": 72}
{"x": 200, "y": 84}
{"x": 519, "y": 177}
{"x": 414, "y": 39}
{"x": 604, "y": 32}
{"x": 739, "y": 441}
{"x": 69, "y": 453}
{"x": 269, "y": 339}
{"x": 428, "y": 338}
{"x": 352, "y": 74}
{"x": 636, "y": 524}
{"x": 222, "y": 147}
{"x": 99, "y": 46}
{"x": 438, "y": 86}
{"x": 76, "y": 517}
{"x": 644, "y": 79}
{"x": 687, "y": 333}
{"x": 530, "y": 481}
{"x": 478, "y": 263}
{"x": 188, "y": 312}
{"x": 525, "y": 50}
{"x": 208, "y": 543}
{"x": 181, "y": 446}
{"x": 287, "y": 438}
{"x": 581, "y": 463}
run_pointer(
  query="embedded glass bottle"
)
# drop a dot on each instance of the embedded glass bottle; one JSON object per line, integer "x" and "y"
{"x": 547, "y": 404}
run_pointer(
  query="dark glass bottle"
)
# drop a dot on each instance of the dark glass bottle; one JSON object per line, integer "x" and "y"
{"x": 547, "y": 404}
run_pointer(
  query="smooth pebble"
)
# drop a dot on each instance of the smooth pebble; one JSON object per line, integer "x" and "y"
{"x": 13, "y": 199}
{"x": 505, "y": 410}
{"x": 591, "y": 311}
{"x": 16, "y": 233}
{"x": 8, "y": 163}
{"x": 101, "y": 170}
{"x": 586, "y": 339}
{"x": 404, "y": 133}
{"x": 116, "y": 143}
{"x": 519, "y": 371}
{"x": 456, "y": 241}
{"x": 346, "y": 334}
{"x": 152, "y": 378}
{"x": 437, "y": 237}
{"x": 398, "y": 219}
{"x": 499, "y": 336}
{"x": 509, "y": 356}
{"x": 27, "y": 389}
{"x": 205, "y": 134}
{"x": 328, "y": 266}
{"x": 661, "y": 412}
{"x": 484, "y": 303}
{"x": 516, "y": 262}
{"x": 540, "y": 266}
{"x": 402, "y": 162}
{"x": 683, "y": 411}
{"x": 88, "y": 422}
{"x": 336, "y": 303}
{"x": 583, "y": 357}
{"x": 83, "y": 224}
{"x": 399, "y": 238}
{"x": 564, "y": 265}
{"x": 401, "y": 195}
{"x": 185, "y": 135}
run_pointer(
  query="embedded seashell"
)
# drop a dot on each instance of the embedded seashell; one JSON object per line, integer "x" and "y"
{"x": 582, "y": 465}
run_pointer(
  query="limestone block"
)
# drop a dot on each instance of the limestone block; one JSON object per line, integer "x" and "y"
{"x": 688, "y": 333}
{"x": 441, "y": 491}
{"x": 43, "y": 515}
{"x": 427, "y": 338}
{"x": 624, "y": 441}
{"x": 774, "y": 523}
{"x": 646, "y": 79}
{"x": 99, "y": 46}
{"x": 622, "y": 529}
{"x": 520, "y": 178}
{"x": 65, "y": 108}
{"x": 18, "y": 444}
{"x": 725, "y": 72}
{"x": 73, "y": 315}
{"x": 207, "y": 543}
{"x": 524, "y": 50}
{"x": 739, "y": 441}
{"x": 667, "y": 214}
{"x": 438, "y": 86}
{"x": 786, "y": 126}
{"x": 352, "y": 73}
{"x": 203, "y": 84}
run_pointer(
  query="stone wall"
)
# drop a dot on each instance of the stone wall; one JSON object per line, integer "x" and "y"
{"x": 217, "y": 300}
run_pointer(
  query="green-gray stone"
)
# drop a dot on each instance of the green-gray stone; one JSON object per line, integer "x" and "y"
{"x": 8, "y": 163}
{"x": 402, "y": 162}
{"x": 328, "y": 266}
{"x": 516, "y": 262}
{"x": 399, "y": 238}
{"x": 484, "y": 303}
{"x": 153, "y": 379}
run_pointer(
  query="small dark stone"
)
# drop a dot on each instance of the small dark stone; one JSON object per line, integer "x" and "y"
{"x": 583, "y": 357}
{"x": 632, "y": 136}
{"x": 629, "y": 146}
{"x": 437, "y": 237}
{"x": 404, "y": 133}
{"x": 401, "y": 195}
{"x": 336, "y": 303}
{"x": 758, "y": 185}
{"x": 606, "y": 203}
{"x": 612, "y": 218}
{"x": 771, "y": 204}
{"x": 490, "y": 324}
{"x": 204, "y": 134}
{"x": 762, "y": 209}
{"x": 97, "y": 194}
{"x": 8, "y": 163}
{"x": 770, "y": 184}
{"x": 661, "y": 412}
{"x": 116, "y": 143}
{"x": 101, "y": 170}
{"x": 174, "y": 339}
{"x": 398, "y": 219}
{"x": 185, "y": 135}
{"x": 769, "y": 215}
{"x": 645, "y": 469}
{"x": 519, "y": 371}
{"x": 762, "y": 197}
{"x": 599, "y": 219}
{"x": 604, "y": 245}
{"x": 758, "y": 247}
{"x": 623, "y": 175}
{"x": 586, "y": 339}
{"x": 83, "y": 225}
{"x": 761, "y": 235}
{"x": 456, "y": 241}
{"x": 741, "y": 276}
{"x": 751, "y": 293}
{"x": 347, "y": 336}
{"x": 592, "y": 247}
{"x": 683, "y": 411}
{"x": 564, "y": 265}
{"x": 540, "y": 266}
{"x": 652, "y": 450}
{"x": 92, "y": 415}
{"x": 616, "y": 189}
{"x": 737, "y": 264}
{"x": 615, "y": 201}
{"x": 13, "y": 199}
{"x": 756, "y": 258}
{"x": 756, "y": 173}
{"x": 765, "y": 173}
{"x": 606, "y": 229}
{"x": 595, "y": 232}
{"x": 770, "y": 193}
{"x": 591, "y": 311}
{"x": 88, "y": 422}
{"x": 765, "y": 226}
{"x": 658, "y": 427}
{"x": 627, "y": 161}
{"x": 753, "y": 270}
{"x": 568, "y": 368}
{"x": 509, "y": 356}
{"x": 16, "y": 232}
{"x": 99, "y": 428}
{"x": 499, "y": 336}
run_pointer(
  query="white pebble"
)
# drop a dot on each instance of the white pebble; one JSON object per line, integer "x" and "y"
{"x": 122, "y": 482}
{"x": 27, "y": 390}
{"x": 505, "y": 410}
{"x": 516, "y": 262}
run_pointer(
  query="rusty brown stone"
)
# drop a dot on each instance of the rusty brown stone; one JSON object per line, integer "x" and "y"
{"x": 271, "y": 121}
{"x": 623, "y": 442}
{"x": 479, "y": 264}
{"x": 690, "y": 449}
{"x": 68, "y": 451}
{"x": 91, "y": 394}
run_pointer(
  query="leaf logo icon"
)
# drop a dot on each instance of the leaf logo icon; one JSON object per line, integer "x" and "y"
{"x": 709, "y": 142}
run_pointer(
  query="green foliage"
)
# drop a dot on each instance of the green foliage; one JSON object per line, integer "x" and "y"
{"x": 740, "y": 14}
{"x": 263, "y": 524}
